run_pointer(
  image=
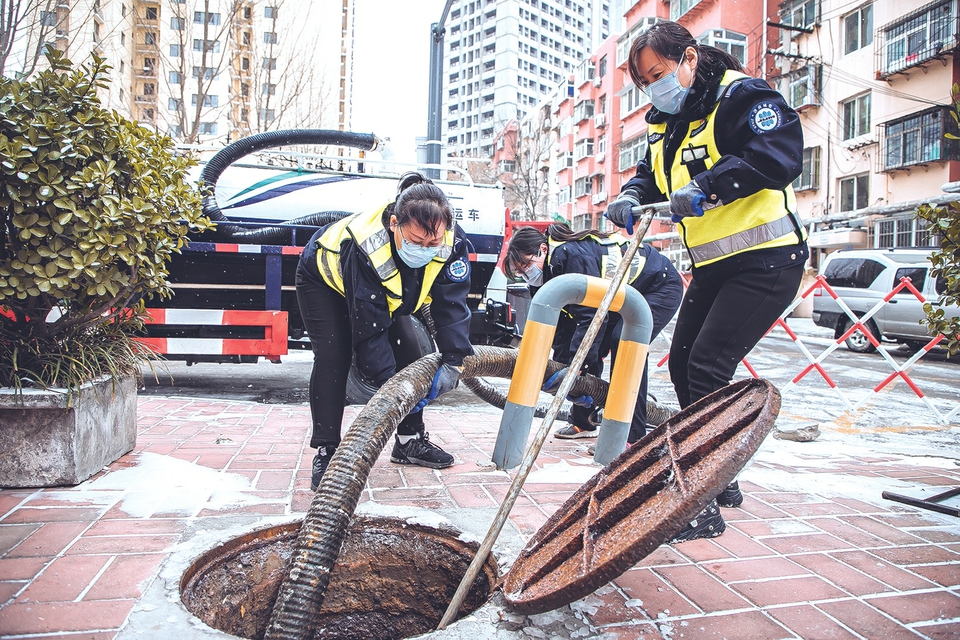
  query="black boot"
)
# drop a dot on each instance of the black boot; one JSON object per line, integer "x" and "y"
{"x": 731, "y": 496}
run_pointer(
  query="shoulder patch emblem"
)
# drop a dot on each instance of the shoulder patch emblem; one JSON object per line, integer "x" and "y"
{"x": 765, "y": 116}
{"x": 654, "y": 138}
{"x": 458, "y": 270}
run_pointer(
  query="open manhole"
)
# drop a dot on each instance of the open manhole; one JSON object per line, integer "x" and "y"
{"x": 393, "y": 579}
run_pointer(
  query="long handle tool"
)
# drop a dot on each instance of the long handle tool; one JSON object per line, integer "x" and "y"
{"x": 527, "y": 464}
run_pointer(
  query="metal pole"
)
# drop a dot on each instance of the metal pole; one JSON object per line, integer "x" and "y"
{"x": 527, "y": 464}
{"x": 434, "y": 99}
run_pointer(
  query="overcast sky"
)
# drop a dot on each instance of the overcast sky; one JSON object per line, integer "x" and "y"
{"x": 391, "y": 68}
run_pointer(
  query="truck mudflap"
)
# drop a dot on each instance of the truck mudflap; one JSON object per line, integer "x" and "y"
{"x": 198, "y": 335}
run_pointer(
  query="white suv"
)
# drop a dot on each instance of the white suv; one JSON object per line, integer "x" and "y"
{"x": 864, "y": 277}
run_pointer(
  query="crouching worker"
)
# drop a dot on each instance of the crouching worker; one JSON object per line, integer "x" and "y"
{"x": 355, "y": 278}
{"x": 536, "y": 257}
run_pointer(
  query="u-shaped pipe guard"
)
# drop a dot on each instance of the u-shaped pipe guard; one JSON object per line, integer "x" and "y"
{"x": 534, "y": 352}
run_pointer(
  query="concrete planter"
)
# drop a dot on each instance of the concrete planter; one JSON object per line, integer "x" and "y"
{"x": 45, "y": 443}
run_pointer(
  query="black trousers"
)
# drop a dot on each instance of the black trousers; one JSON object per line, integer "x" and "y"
{"x": 724, "y": 316}
{"x": 325, "y": 318}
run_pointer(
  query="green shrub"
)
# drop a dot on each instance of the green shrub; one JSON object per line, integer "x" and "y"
{"x": 91, "y": 210}
{"x": 946, "y": 264}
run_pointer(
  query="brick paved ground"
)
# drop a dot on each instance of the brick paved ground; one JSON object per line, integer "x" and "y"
{"x": 813, "y": 553}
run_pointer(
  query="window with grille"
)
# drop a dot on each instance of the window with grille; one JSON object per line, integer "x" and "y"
{"x": 802, "y": 87}
{"x": 918, "y": 139}
{"x": 208, "y": 128}
{"x": 799, "y": 13}
{"x": 918, "y": 37}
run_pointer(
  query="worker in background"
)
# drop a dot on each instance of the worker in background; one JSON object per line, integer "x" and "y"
{"x": 355, "y": 278}
{"x": 723, "y": 148}
{"x": 536, "y": 258}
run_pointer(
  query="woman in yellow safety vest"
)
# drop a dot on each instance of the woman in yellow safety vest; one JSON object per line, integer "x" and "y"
{"x": 354, "y": 279}
{"x": 723, "y": 148}
{"x": 536, "y": 258}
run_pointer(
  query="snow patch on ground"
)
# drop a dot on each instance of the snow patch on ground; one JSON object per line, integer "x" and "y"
{"x": 563, "y": 473}
{"x": 162, "y": 484}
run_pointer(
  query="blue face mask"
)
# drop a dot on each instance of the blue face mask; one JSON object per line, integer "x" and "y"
{"x": 414, "y": 255}
{"x": 667, "y": 94}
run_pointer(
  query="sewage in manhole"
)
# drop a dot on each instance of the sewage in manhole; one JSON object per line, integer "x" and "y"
{"x": 393, "y": 579}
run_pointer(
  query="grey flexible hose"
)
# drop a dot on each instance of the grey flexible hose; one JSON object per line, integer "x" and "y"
{"x": 325, "y": 525}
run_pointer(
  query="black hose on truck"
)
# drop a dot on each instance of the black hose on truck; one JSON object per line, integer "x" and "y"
{"x": 257, "y": 142}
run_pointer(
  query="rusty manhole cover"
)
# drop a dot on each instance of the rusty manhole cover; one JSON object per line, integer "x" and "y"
{"x": 642, "y": 498}
{"x": 394, "y": 579}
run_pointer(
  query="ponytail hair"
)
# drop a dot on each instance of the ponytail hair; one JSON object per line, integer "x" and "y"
{"x": 419, "y": 201}
{"x": 669, "y": 40}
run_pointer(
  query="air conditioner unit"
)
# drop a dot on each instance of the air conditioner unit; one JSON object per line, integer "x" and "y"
{"x": 599, "y": 120}
{"x": 597, "y": 80}
{"x": 599, "y": 197}
{"x": 600, "y": 157}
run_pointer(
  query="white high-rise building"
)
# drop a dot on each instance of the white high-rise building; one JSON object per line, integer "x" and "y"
{"x": 502, "y": 57}
{"x": 210, "y": 71}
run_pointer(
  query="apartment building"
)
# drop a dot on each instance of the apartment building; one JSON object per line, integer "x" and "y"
{"x": 600, "y": 122}
{"x": 872, "y": 83}
{"x": 212, "y": 71}
{"x": 870, "y": 80}
{"x": 503, "y": 57}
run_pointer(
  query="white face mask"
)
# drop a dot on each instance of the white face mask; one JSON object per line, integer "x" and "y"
{"x": 533, "y": 275}
{"x": 414, "y": 255}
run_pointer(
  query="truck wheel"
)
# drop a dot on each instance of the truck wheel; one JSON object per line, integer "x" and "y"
{"x": 411, "y": 333}
{"x": 858, "y": 342}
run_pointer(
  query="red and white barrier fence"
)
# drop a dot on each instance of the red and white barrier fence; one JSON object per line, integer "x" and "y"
{"x": 857, "y": 323}
{"x": 271, "y": 346}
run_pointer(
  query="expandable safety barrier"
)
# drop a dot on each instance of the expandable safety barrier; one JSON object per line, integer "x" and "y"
{"x": 857, "y": 323}
{"x": 534, "y": 352}
{"x": 271, "y": 346}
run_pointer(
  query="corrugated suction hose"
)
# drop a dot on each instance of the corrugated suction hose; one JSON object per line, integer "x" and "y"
{"x": 325, "y": 525}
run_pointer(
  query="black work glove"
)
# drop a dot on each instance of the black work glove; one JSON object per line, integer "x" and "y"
{"x": 687, "y": 202}
{"x": 620, "y": 211}
{"x": 445, "y": 379}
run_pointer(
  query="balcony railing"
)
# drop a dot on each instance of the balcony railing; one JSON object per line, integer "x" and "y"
{"x": 928, "y": 33}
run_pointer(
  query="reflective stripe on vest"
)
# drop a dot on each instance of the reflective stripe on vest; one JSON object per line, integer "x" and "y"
{"x": 616, "y": 247}
{"x": 366, "y": 230}
{"x": 761, "y": 220}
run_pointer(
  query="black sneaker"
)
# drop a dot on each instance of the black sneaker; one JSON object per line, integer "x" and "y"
{"x": 420, "y": 451}
{"x": 573, "y": 431}
{"x": 708, "y": 524}
{"x": 320, "y": 463}
{"x": 731, "y": 496}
